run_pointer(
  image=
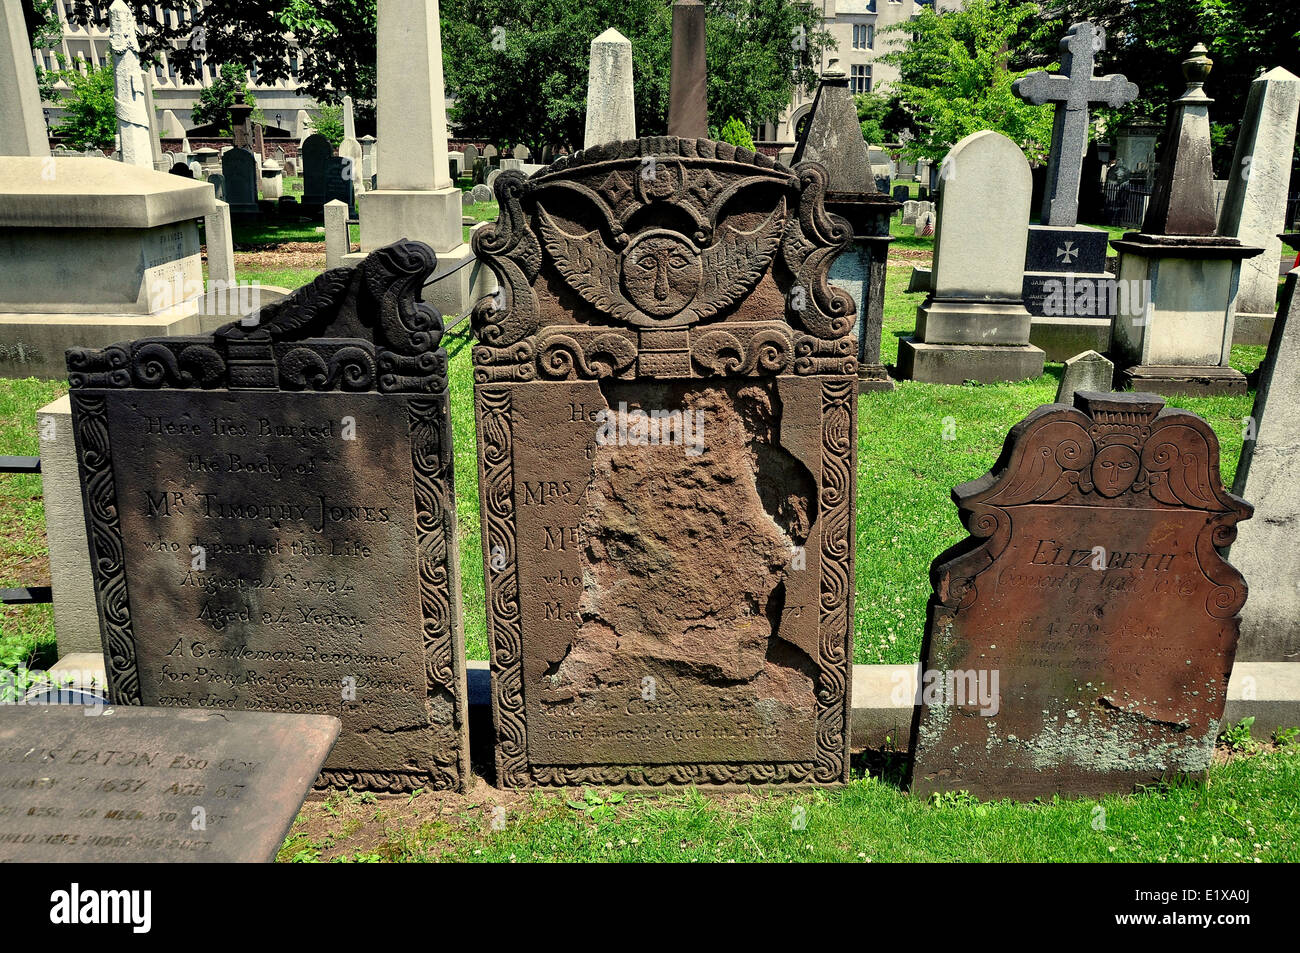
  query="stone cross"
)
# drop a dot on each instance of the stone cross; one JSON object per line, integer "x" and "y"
{"x": 129, "y": 95}
{"x": 1072, "y": 92}
{"x": 20, "y": 100}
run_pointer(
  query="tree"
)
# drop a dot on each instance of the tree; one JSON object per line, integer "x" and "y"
{"x": 45, "y": 31}
{"x": 956, "y": 72}
{"x": 90, "y": 115}
{"x": 214, "y": 102}
{"x": 737, "y": 133}
{"x": 883, "y": 118}
{"x": 1147, "y": 40}
{"x": 332, "y": 41}
{"x": 518, "y": 68}
{"x": 329, "y": 123}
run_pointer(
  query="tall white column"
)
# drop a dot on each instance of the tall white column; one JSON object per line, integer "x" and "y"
{"x": 611, "y": 109}
{"x": 412, "y": 104}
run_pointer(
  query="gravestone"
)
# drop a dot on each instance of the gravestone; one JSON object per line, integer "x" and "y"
{"x": 1066, "y": 261}
{"x": 482, "y": 193}
{"x": 316, "y": 152}
{"x": 272, "y": 520}
{"x": 902, "y": 193}
{"x": 635, "y": 396}
{"x": 272, "y": 180}
{"x": 182, "y": 170}
{"x": 240, "y": 171}
{"x": 1086, "y": 371}
{"x": 492, "y": 177}
{"x": 1268, "y": 475}
{"x": 911, "y": 208}
{"x": 973, "y": 325}
{"x": 1081, "y": 640}
{"x": 466, "y": 198}
{"x": 128, "y": 784}
{"x": 471, "y": 155}
{"x": 218, "y": 183}
{"x": 339, "y": 183}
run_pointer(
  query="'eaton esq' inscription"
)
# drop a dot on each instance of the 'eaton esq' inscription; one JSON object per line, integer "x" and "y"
{"x": 271, "y": 518}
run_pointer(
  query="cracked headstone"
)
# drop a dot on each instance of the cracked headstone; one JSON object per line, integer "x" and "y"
{"x": 1081, "y": 640}
{"x": 666, "y": 465}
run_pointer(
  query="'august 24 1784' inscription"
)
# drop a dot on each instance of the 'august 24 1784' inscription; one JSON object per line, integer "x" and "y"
{"x": 270, "y": 510}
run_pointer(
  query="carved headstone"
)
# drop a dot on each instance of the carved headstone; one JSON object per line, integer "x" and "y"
{"x": 665, "y": 394}
{"x": 124, "y": 785}
{"x": 272, "y": 519}
{"x": 240, "y": 171}
{"x": 316, "y": 152}
{"x": 1080, "y": 641}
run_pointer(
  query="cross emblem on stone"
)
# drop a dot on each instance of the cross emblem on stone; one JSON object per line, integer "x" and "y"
{"x": 1068, "y": 253}
{"x": 1072, "y": 92}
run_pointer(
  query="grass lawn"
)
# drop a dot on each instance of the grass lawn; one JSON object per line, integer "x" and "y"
{"x": 906, "y": 470}
{"x": 1247, "y": 812}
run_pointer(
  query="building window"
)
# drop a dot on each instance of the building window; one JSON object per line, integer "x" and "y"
{"x": 861, "y": 36}
{"x": 860, "y": 78}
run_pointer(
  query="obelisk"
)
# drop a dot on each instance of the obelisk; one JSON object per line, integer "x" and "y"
{"x": 611, "y": 108}
{"x": 20, "y": 100}
{"x": 688, "y": 110}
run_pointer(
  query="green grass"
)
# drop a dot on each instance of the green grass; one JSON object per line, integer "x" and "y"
{"x": 1246, "y": 812}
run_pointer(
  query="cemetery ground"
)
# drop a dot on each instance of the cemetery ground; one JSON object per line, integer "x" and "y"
{"x": 916, "y": 443}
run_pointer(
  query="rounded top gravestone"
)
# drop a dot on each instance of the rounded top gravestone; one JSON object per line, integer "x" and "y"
{"x": 492, "y": 177}
{"x": 985, "y": 189}
{"x": 482, "y": 193}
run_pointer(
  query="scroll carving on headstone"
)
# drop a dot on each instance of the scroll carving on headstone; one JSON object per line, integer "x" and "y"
{"x": 665, "y": 390}
{"x": 1080, "y": 641}
{"x": 272, "y": 519}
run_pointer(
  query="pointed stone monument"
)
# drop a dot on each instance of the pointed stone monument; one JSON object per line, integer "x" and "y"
{"x": 1254, "y": 209}
{"x": 350, "y": 148}
{"x": 129, "y": 95}
{"x": 833, "y": 137}
{"x": 1064, "y": 260}
{"x": 1268, "y": 475}
{"x": 1181, "y": 341}
{"x": 611, "y": 109}
{"x": 20, "y": 99}
{"x": 688, "y": 110}
{"x": 416, "y": 198}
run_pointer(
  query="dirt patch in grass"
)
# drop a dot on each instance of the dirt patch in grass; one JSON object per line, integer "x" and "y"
{"x": 280, "y": 256}
{"x": 910, "y": 256}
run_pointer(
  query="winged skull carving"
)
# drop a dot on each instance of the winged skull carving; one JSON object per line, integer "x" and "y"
{"x": 662, "y": 278}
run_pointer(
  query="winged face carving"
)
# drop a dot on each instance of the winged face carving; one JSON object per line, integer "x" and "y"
{"x": 655, "y": 237}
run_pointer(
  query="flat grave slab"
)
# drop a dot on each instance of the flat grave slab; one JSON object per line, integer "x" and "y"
{"x": 155, "y": 785}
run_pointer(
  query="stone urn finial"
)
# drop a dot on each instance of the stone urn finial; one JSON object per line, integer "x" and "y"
{"x": 1196, "y": 70}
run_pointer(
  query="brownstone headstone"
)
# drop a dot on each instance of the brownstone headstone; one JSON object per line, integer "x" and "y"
{"x": 121, "y": 784}
{"x": 665, "y": 394}
{"x": 1080, "y": 641}
{"x": 272, "y": 519}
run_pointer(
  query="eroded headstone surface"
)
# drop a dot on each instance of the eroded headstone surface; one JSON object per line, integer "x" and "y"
{"x": 139, "y": 785}
{"x": 272, "y": 520}
{"x": 665, "y": 393}
{"x": 1080, "y": 641}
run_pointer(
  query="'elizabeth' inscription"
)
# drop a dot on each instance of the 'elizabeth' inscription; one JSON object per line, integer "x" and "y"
{"x": 254, "y": 537}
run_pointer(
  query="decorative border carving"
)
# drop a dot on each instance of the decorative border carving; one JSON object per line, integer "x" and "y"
{"x": 279, "y": 356}
{"x": 107, "y": 551}
{"x": 835, "y": 626}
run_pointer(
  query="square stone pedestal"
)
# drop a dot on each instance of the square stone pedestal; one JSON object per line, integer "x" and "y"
{"x": 1181, "y": 342}
{"x": 434, "y": 218}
